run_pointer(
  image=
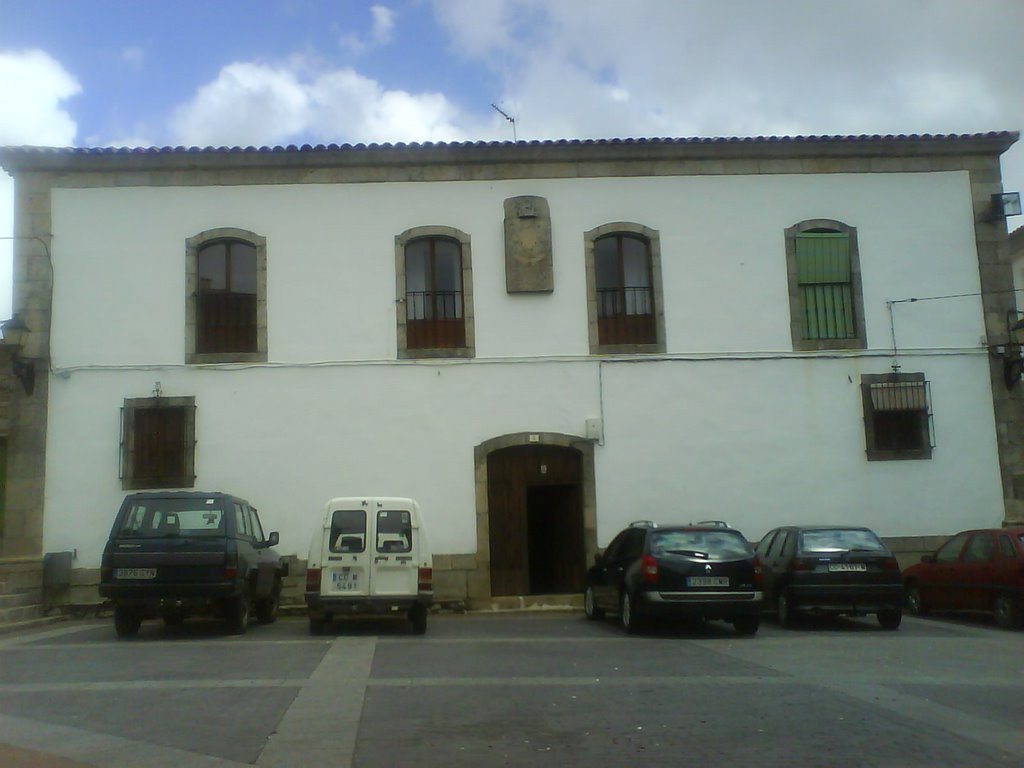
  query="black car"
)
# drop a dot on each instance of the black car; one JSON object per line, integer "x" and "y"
{"x": 705, "y": 571}
{"x": 175, "y": 554}
{"x": 839, "y": 570}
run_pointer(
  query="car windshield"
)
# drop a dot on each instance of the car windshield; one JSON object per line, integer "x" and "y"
{"x": 840, "y": 540}
{"x": 700, "y": 543}
{"x": 159, "y": 518}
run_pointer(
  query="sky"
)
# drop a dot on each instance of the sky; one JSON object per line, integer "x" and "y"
{"x": 278, "y": 72}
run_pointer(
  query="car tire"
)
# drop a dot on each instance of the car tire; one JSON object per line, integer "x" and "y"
{"x": 237, "y": 614}
{"x": 589, "y": 606}
{"x": 746, "y": 625}
{"x": 1007, "y": 613}
{"x": 785, "y": 609}
{"x": 890, "y": 619}
{"x": 418, "y": 617}
{"x": 266, "y": 609}
{"x": 126, "y": 622}
{"x": 628, "y": 614}
{"x": 915, "y": 603}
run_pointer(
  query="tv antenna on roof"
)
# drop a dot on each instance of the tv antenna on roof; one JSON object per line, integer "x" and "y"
{"x": 508, "y": 117}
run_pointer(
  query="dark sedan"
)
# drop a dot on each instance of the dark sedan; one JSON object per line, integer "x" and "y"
{"x": 701, "y": 571}
{"x": 835, "y": 570}
{"x": 980, "y": 570}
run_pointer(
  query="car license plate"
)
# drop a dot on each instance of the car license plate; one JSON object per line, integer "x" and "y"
{"x": 707, "y": 581}
{"x": 135, "y": 573}
{"x": 345, "y": 580}
{"x": 834, "y": 567}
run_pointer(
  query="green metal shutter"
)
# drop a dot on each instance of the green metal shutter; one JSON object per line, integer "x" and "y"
{"x": 826, "y": 290}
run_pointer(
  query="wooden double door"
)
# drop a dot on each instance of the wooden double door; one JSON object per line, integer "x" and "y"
{"x": 535, "y": 516}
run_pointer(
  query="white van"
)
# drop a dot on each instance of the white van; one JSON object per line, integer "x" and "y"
{"x": 370, "y": 556}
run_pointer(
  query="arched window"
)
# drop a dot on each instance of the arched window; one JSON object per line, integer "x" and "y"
{"x": 624, "y": 275}
{"x": 227, "y": 305}
{"x": 433, "y": 294}
{"x": 434, "y": 279}
{"x": 824, "y": 281}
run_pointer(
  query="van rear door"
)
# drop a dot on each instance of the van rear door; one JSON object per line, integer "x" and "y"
{"x": 346, "y": 556}
{"x": 395, "y": 558}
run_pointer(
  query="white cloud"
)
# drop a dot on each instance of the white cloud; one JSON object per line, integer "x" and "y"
{"x": 133, "y": 56}
{"x": 33, "y": 86}
{"x": 383, "y": 23}
{"x": 747, "y": 67}
{"x": 258, "y": 104}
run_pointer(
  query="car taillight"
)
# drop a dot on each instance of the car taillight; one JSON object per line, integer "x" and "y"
{"x": 426, "y": 580}
{"x": 312, "y": 579}
{"x": 649, "y": 569}
{"x": 803, "y": 564}
{"x": 231, "y": 566}
{"x": 892, "y": 564}
{"x": 757, "y": 571}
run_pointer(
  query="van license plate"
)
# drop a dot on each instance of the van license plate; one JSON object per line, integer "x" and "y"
{"x": 707, "y": 581}
{"x": 135, "y": 573}
{"x": 833, "y": 567}
{"x": 345, "y": 581}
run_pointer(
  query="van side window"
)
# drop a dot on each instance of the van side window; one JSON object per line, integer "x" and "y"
{"x": 394, "y": 530}
{"x": 348, "y": 530}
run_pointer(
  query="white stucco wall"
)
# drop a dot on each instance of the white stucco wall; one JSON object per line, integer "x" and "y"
{"x": 712, "y": 433}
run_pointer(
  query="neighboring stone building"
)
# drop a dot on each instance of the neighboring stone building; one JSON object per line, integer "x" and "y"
{"x": 541, "y": 342}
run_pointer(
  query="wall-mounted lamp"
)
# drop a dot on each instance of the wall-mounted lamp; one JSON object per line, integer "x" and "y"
{"x": 1012, "y": 353}
{"x": 14, "y": 331}
{"x": 1005, "y": 204}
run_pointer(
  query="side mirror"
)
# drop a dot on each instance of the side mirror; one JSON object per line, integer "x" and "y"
{"x": 273, "y": 539}
{"x": 597, "y": 558}
{"x": 927, "y": 558}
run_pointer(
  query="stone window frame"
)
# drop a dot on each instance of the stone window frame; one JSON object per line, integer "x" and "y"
{"x": 192, "y": 247}
{"x": 463, "y": 239}
{"x": 653, "y": 238}
{"x": 927, "y": 439}
{"x": 796, "y": 314}
{"x": 131, "y": 407}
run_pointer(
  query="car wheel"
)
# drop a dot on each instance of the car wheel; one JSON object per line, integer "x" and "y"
{"x": 628, "y": 614}
{"x": 266, "y": 609}
{"x": 746, "y": 625}
{"x": 237, "y": 614}
{"x": 785, "y": 609}
{"x": 126, "y": 622}
{"x": 1007, "y": 613}
{"x": 914, "y": 601}
{"x": 890, "y": 619}
{"x": 418, "y": 616}
{"x": 589, "y": 607}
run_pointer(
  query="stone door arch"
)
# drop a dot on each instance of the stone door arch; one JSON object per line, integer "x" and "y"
{"x": 536, "y": 469}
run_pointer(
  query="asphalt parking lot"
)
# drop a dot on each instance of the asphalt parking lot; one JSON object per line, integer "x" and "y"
{"x": 534, "y": 689}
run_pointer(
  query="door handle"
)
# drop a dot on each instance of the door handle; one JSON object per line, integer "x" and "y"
{"x": 379, "y": 558}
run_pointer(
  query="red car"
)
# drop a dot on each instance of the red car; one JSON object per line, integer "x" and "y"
{"x": 981, "y": 570}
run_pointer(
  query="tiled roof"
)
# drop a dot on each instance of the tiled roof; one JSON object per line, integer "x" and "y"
{"x": 992, "y": 136}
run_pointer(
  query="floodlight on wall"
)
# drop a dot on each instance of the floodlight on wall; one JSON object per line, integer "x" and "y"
{"x": 15, "y": 331}
{"x": 1012, "y": 353}
{"x": 1005, "y": 204}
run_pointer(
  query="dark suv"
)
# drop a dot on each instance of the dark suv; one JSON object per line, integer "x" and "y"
{"x": 175, "y": 554}
{"x": 707, "y": 571}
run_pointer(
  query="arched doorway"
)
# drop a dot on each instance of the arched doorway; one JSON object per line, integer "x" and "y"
{"x": 538, "y": 513}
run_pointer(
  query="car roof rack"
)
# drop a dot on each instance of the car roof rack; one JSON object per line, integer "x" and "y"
{"x": 643, "y": 524}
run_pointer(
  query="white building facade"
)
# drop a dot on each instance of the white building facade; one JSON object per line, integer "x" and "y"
{"x": 539, "y": 342}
